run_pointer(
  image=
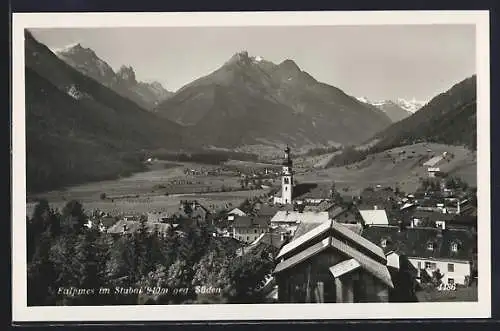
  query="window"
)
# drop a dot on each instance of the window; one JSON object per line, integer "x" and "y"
{"x": 286, "y": 188}
{"x": 430, "y": 246}
{"x": 451, "y": 281}
{"x": 255, "y": 231}
{"x": 285, "y": 180}
{"x": 248, "y": 238}
{"x": 451, "y": 267}
{"x": 454, "y": 247}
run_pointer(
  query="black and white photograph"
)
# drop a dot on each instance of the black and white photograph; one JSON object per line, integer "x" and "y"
{"x": 239, "y": 166}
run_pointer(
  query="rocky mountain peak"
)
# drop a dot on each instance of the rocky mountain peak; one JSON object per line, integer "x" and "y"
{"x": 76, "y": 48}
{"x": 127, "y": 73}
{"x": 289, "y": 65}
{"x": 241, "y": 57}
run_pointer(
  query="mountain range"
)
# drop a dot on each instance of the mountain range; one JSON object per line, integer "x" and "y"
{"x": 250, "y": 100}
{"x": 123, "y": 81}
{"x": 79, "y": 130}
{"x": 396, "y": 109}
{"x": 85, "y": 122}
{"x": 449, "y": 118}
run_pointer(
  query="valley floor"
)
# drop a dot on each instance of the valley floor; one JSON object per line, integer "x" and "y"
{"x": 166, "y": 184}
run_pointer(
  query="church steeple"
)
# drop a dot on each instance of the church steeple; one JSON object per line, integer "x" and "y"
{"x": 287, "y": 179}
{"x": 287, "y": 161}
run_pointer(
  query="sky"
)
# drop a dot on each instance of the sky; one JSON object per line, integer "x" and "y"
{"x": 377, "y": 62}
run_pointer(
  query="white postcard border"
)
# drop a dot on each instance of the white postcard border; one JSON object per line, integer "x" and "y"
{"x": 22, "y": 313}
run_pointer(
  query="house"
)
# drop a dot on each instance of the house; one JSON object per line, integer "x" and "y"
{"x": 427, "y": 218}
{"x": 249, "y": 228}
{"x": 349, "y": 215}
{"x": 378, "y": 198}
{"x": 128, "y": 227}
{"x": 325, "y": 205}
{"x": 432, "y": 203}
{"x": 330, "y": 263}
{"x": 275, "y": 240}
{"x": 159, "y": 217}
{"x": 374, "y": 217}
{"x": 448, "y": 251}
{"x": 235, "y": 213}
{"x": 433, "y": 172}
{"x": 265, "y": 210}
{"x": 434, "y": 161}
{"x": 289, "y": 220}
{"x": 102, "y": 222}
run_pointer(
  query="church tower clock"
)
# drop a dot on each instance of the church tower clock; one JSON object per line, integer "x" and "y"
{"x": 287, "y": 178}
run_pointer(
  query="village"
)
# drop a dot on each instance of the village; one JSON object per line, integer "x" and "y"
{"x": 383, "y": 245}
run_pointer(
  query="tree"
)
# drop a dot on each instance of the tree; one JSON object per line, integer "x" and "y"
{"x": 44, "y": 220}
{"x": 187, "y": 208}
{"x": 41, "y": 280}
{"x": 73, "y": 217}
{"x": 247, "y": 274}
{"x": 62, "y": 256}
{"x": 90, "y": 266}
{"x": 212, "y": 270}
{"x": 437, "y": 277}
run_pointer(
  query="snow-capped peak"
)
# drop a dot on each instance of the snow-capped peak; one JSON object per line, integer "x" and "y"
{"x": 363, "y": 99}
{"x": 67, "y": 48}
{"x": 374, "y": 103}
{"x": 410, "y": 105}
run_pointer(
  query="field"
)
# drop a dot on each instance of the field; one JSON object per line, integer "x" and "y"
{"x": 159, "y": 189}
{"x": 402, "y": 166}
{"x": 166, "y": 183}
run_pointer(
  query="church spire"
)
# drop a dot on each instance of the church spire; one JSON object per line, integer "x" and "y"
{"x": 287, "y": 161}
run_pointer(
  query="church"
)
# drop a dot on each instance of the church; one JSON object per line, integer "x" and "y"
{"x": 286, "y": 194}
{"x": 303, "y": 194}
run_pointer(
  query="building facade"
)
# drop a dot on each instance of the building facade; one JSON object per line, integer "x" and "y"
{"x": 249, "y": 228}
{"x": 449, "y": 252}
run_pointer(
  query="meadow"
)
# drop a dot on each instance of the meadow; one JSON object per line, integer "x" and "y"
{"x": 159, "y": 189}
{"x": 166, "y": 184}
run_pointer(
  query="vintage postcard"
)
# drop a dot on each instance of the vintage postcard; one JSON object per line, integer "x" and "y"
{"x": 251, "y": 166}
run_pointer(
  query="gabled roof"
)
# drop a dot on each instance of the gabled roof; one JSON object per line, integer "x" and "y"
{"x": 237, "y": 211}
{"x": 305, "y": 227}
{"x": 376, "y": 216}
{"x": 413, "y": 242}
{"x": 432, "y": 215}
{"x": 379, "y": 270}
{"x": 407, "y": 206}
{"x": 250, "y": 222}
{"x": 273, "y": 239}
{"x": 107, "y": 221}
{"x": 266, "y": 210}
{"x": 338, "y": 230}
{"x": 298, "y": 217}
